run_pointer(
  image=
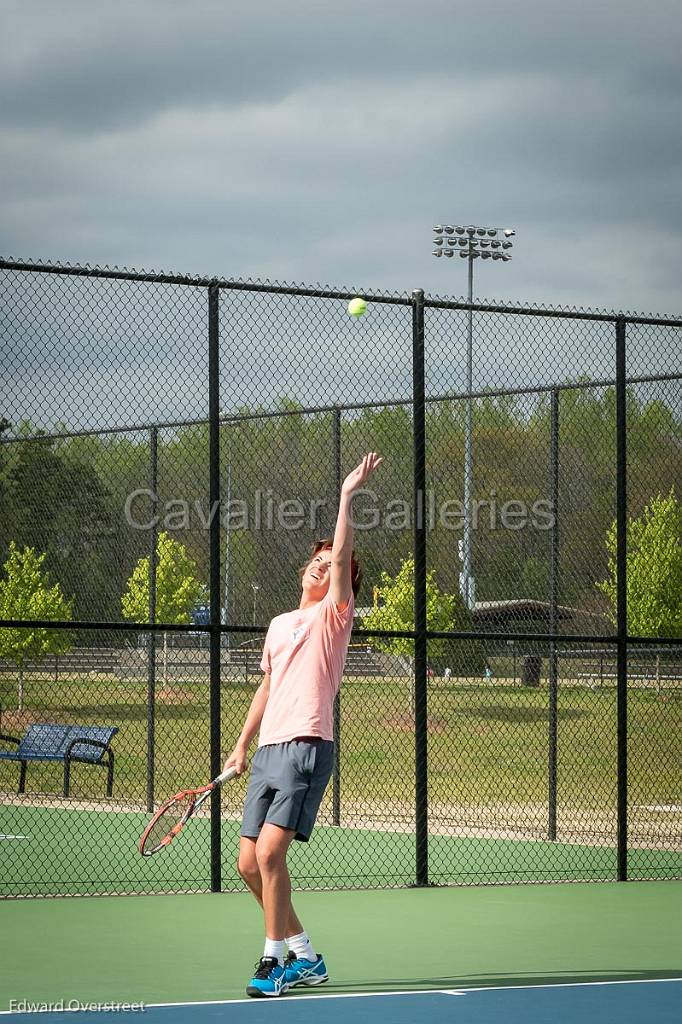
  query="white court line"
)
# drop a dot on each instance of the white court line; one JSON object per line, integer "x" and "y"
{"x": 247, "y": 1001}
{"x": 558, "y": 984}
{"x": 5, "y": 836}
{"x": 365, "y": 995}
{"x": 423, "y": 992}
{"x": 290, "y": 999}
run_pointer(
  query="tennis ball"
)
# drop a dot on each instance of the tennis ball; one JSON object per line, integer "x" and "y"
{"x": 357, "y": 307}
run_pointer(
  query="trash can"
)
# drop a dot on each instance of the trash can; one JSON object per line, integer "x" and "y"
{"x": 531, "y": 667}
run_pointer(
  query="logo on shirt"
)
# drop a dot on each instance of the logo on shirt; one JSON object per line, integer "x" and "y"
{"x": 296, "y": 633}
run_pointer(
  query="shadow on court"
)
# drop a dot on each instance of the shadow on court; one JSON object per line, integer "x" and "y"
{"x": 476, "y": 981}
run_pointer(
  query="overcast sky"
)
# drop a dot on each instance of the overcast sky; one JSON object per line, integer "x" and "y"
{"x": 318, "y": 141}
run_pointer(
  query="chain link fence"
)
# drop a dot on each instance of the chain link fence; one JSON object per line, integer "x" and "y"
{"x": 172, "y": 446}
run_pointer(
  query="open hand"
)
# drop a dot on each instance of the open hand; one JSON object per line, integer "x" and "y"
{"x": 359, "y": 476}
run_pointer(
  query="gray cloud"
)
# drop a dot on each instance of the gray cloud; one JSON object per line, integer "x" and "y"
{"x": 308, "y": 142}
{"x": 88, "y": 65}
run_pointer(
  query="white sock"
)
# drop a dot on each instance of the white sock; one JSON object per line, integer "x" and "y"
{"x": 300, "y": 945}
{"x": 275, "y": 947}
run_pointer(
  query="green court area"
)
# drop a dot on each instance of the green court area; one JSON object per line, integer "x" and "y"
{"x": 202, "y": 947}
{"x": 57, "y": 850}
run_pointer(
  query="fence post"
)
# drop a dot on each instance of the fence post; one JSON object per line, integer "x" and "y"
{"x": 336, "y": 778}
{"x": 214, "y": 572}
{"x": 553, "y": 602}
{"x": 621, "y": 603}
{"x": 151, "y": 649}
{"x": 420, "y": 644}
{"x": 228, "y": 540}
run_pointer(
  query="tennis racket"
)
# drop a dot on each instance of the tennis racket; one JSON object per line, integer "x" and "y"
{"x": 172, "y": 816}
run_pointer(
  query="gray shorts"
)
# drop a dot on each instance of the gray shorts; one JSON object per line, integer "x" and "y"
{"x": 286, "y": 786}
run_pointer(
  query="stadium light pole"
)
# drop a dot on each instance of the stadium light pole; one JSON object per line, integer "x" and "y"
{"x": 470, "y": 242}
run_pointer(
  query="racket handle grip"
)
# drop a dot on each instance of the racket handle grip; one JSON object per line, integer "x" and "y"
{"x": 225, "y": 776}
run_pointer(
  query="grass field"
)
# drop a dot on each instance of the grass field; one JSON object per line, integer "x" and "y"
{"x": 487, "y": 742}
{"x": 488, "y": 753}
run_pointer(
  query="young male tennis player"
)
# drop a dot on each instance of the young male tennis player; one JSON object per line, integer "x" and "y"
{"x": 292, "y": 711}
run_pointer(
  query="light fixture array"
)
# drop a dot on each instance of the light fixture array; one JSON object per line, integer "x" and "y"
{"x": 471, "y": 242}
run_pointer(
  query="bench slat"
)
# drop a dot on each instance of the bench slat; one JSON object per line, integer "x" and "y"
{"x": 44, "y": 742}
{"x": 85, "y": 752}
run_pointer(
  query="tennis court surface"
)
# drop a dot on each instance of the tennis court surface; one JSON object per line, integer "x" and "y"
{"x": 580, "y": 952}
{"x": 598, "y": 1001}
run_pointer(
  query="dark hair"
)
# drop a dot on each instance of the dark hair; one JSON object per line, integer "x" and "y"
{"x": 355, "y": 567}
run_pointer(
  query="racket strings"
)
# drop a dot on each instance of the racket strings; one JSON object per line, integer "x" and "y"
{"x": 167, "y": 821}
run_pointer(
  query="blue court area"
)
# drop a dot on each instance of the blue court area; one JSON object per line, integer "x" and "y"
{"x": 621, "y": 1002}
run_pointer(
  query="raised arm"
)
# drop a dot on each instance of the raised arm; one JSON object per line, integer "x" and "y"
{"x": 340, "y": 583}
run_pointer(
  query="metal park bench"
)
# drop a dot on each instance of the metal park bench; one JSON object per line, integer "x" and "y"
{"x": 88, "y": 744}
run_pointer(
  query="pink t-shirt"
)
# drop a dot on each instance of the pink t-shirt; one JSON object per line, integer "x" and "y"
{"x": 304, "y": 654}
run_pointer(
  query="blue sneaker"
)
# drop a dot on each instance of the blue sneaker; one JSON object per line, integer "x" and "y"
{"x": 304, "y": 972}
{"x": 268, "y": 979}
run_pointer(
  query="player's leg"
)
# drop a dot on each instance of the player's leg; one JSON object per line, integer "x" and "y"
{"x": 247, "y": 866}
{"x": 293, "y": 777}
{"x": 272, "y": 847}
{"x": 271, "y": 885}
{"x": 268, "y": 979}
{"x": 281, "y": 921}
{"x": 303, "y": 965}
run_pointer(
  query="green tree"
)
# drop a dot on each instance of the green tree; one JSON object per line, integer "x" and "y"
{"x": 26, "y": 593}
{"x": 178, "y": 590}
{"x": 443, "y": 612}
{"x": 654, "y": 570}
{"x": 50, "y": 497}
{"x": 53, "y": 499}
